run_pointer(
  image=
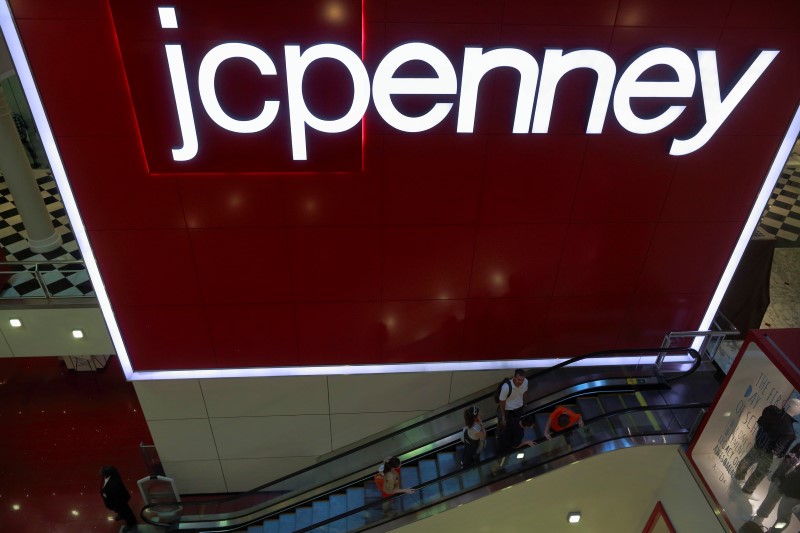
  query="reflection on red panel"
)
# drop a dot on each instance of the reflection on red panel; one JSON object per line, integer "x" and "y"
{"x": 674, "y": 265}
{"x": 621, "y": 185}
{"x": 505, "y": 328}
{"x": 161, "y": 334}
{"x": 335, "y": 333}
{"x": 414, "y": 330}
{"x": 259, "y": 272}
{"x": 387, "y": 246}
{"x": 249, "y": 335}
{"x": 147, "y": 267}
{"x": 231, "y": 202}
{"x": 95, "y": 173}
{"x": 652, "y": 315}
{"x": 335, "y": 264}
{"x": 724, "y": 170}
{"x": 675, "y": 13}
{"x": 532, "y": 180}
{"x": 602, "y": 259}
{"x": 514, "y": 261}
{"x": 427, "y": 262}
{"x": 577, "y": 325}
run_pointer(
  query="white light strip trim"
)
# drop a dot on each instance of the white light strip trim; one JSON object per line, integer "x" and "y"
{"x": 340, "y": 370}
{"x": 755, "y": 215}
{"x": 9, "y": 30}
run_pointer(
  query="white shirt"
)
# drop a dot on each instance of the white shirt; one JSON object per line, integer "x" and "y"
{"x": 514, "y": 399}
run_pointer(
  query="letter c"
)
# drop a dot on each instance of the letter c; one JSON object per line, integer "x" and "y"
{"x": 208, "y": 94}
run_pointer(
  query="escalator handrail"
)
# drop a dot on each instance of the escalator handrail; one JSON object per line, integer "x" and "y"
{"x": 618, "y": 412}
{"x": 447, "y": 412}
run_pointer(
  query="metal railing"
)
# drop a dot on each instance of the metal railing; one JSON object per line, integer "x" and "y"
{"x": 721, "y": 329}
{"x": 46, "y": 275}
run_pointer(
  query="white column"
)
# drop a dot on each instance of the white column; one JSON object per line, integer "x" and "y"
{"x": 42, "y": 236}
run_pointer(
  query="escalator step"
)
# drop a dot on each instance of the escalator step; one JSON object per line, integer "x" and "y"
{"x": 338, "y": 506}
{"x": 640, "y": 420}
{"x": 471, "y": 478}
{"x": 611, "y": 402}
{"x": 371, "y": 492}
{"x": 665, "y": 418}
{"x": 303, "y": 517}
{"x": 320, "y": 510}
{"x": 270, "y": 526}
{"x": 355, "y": 499}
{"x": 410, "y": 479}
{"x": 653, "y": 397}
{"x": 409, "y": 476}
{"x": 590, "y": 407}
{"x": 447, "y": 463}
{"x": 427, "y": 472}
{"x": 286, "y": 523}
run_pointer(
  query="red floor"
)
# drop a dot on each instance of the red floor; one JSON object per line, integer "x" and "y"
{"x": 58, "y": 428}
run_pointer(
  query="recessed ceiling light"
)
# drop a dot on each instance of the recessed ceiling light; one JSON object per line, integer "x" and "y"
{"x": 15, "y": 323}
{"x": 520, "y": 456}
{"x": 15, "y": 507}
{"x": 77, "y": 333}
{"x": 574, "y": 517}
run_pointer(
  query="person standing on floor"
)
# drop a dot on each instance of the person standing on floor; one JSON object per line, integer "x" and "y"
{"x": 116, "y": 497}
{"x": 511, "y": 399}
{"x": 775, "y": 435}
{"x": 789, "y": 488}
{"x": 787, "y": 469}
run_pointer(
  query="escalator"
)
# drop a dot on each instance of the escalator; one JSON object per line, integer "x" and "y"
{"x": 644, "y": 401}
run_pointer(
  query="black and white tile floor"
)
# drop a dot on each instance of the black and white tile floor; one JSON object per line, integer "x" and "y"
{"x": 782, "y": 216}
{"x": 57, "y": 269}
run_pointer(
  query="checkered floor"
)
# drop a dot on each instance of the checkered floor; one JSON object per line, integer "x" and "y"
{"x": 782, "y": 216}
{"x": 62, "y": 278}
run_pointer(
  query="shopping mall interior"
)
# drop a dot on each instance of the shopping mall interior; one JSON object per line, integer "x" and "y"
{"x": 206, "y": 395}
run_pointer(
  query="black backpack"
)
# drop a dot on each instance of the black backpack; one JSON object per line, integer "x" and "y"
{"x": 500, "y": 389}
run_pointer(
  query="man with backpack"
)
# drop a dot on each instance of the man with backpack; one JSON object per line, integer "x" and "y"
{"x": 775, "y": 435}
{"x": 510, "y": 396}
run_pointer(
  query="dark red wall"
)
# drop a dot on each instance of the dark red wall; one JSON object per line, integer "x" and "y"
{"x": 445, "y": 246}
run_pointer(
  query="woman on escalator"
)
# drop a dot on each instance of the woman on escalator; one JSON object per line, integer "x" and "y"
{"x": 388, "y": 482}
{"x": 473, "y": 436}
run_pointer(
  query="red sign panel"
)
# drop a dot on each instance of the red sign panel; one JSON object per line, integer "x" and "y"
{"x": 528, "y": 179}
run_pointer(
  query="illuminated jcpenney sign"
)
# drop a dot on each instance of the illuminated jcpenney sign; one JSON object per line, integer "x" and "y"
{"x": 537, "y": 89}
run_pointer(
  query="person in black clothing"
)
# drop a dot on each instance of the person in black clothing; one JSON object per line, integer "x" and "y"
{"x": 511, "y": 437}
{"x": 787, "y": 467}
{"x": 775, "y": 435}
{"x": 116, "y": 497}
{"x": 788, "y": 486}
